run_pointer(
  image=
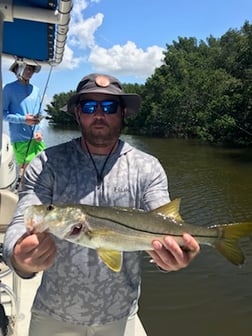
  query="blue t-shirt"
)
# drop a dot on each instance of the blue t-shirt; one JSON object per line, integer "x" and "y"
{"x": 18, "y": 101}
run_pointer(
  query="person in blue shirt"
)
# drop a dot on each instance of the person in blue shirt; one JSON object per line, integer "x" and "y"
{"x": 22, "y": 110}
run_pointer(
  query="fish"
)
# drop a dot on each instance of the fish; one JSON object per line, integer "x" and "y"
{"x": 112, "y": 230}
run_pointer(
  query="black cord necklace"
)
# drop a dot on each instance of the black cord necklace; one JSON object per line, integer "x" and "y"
{"x": 99, "y": 175}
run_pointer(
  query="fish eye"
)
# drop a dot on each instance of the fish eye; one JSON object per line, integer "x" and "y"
{"x": 50, "y": 207}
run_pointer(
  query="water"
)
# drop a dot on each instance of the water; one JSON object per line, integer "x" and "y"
{"x": 211, "y": 297}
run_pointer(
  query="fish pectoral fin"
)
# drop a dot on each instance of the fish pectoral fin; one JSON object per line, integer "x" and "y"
{"x": 111, "y": 258}
{"x": 170, "y": 210}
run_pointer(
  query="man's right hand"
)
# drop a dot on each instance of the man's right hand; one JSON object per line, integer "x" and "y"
{"x": 33, "y": 253}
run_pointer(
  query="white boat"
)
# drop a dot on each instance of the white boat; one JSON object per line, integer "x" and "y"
{"x": 20, "y": 22}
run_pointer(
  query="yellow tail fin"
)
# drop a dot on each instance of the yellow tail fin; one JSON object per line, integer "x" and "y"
{"x": 228, "y": 242}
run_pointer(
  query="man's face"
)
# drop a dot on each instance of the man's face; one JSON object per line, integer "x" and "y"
{"x": 28, "y": 72}
{"x": 98, "y": 128}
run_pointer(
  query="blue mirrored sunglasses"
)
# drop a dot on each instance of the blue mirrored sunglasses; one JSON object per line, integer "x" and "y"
{"x": 90, "y": 106}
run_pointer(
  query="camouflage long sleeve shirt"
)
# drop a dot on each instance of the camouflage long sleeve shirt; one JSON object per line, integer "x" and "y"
{"x": 79, "y": 288}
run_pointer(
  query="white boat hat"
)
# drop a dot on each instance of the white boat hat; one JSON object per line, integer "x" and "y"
{"x": 22, "y": 62}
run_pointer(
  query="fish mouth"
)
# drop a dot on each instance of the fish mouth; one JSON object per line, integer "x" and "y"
{"x": 76, "y": 230}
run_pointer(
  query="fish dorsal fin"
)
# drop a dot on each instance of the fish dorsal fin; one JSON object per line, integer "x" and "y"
{"x": 111, "y": 258}
{"x": 170, "y": 210}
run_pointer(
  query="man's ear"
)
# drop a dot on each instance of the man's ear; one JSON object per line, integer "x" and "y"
{"x": 77, "y": 114}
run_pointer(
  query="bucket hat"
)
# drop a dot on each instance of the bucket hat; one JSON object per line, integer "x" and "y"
{"x": 106, "y": 84}
{"x": 23, "y": 63}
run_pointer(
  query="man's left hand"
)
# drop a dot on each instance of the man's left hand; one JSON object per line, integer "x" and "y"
{"x": 38, "y": 136}
{"x": 170, "y": 256}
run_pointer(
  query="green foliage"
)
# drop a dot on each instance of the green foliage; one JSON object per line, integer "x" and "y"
{"x": 203, "y": 90}
{"x": 56, "y": 114}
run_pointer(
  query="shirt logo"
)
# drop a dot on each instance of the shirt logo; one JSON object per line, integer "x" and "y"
{"x": 121, "y": 189}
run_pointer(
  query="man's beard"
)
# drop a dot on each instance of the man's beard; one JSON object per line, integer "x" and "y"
{"x": 100, "y": 138}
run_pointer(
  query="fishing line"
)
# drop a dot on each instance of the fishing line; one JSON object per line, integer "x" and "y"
{"x": 21, "y": 170}
{"x": 235, "y": 125}
{"x": 244, "y": 130}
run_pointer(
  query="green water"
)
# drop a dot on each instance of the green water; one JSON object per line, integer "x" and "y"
{"x": 211, "y": 297}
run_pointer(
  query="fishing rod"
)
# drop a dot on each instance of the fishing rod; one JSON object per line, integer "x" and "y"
{"x": 39, "y": 117}
{"x": 43, "y": 96}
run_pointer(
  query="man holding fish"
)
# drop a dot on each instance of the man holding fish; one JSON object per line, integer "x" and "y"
{"x": 90, "y": 290}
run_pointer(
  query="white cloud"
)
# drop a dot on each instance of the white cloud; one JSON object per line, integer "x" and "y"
{"x": 69, "y": 60}
{"x": 127, "y": 59}
{"x": 81, "y": 33}
{"x": 81, "y": 30}
{"x": 78, "y": 7}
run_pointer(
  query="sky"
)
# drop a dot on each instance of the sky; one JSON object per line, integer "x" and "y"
{"x": 126, "y": 38}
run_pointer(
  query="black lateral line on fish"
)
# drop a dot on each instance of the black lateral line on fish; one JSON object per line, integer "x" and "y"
{"x": 153, "y": 232}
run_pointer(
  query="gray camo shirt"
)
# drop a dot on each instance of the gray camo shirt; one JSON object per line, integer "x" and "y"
{"x": 79, "y": 288}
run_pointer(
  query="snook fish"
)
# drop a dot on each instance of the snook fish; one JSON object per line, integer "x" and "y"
{"x": 111, "y": 230}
